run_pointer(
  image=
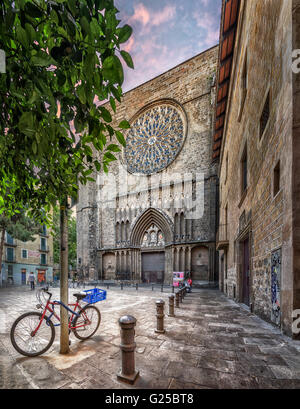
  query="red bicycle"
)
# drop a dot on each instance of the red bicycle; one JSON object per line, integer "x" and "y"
{"x": 33, "y": 333}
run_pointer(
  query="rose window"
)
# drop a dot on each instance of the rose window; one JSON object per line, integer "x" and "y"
{"x": 155, "y": 139}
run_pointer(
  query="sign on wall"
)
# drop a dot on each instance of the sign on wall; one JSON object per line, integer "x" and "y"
{"x": 275, "y": 286}
{"x": 178, "y": 278}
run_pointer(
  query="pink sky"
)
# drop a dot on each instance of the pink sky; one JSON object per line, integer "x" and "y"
{"x": 166, "y": 33}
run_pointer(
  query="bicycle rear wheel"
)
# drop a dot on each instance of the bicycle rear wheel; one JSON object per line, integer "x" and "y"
{"x": 87, "y": 322}
{"x": 21, "y": 334}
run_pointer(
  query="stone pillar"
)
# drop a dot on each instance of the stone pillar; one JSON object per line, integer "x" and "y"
{"x": 160, "y": 316}
{"x": 128, "y": 373}
{"x": 177, "y": 299}
{"x": 171, "y": 306}
{"x": 189, "y": 258}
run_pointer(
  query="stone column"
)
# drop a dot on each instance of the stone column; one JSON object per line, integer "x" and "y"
{"x": 189, "y": 262}
{"x": 128, "y": 373}
{"x": 160, "y": 316}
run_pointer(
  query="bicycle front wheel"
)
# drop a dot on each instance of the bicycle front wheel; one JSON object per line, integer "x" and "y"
{"x": 22, "y": 338}
{"x": 87, "y": 323}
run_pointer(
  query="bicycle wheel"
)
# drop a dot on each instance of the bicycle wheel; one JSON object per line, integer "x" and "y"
{"x": 87, "y": 322}
{"x": 21, "y": 334}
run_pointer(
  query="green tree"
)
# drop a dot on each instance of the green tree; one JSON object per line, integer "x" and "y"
{"x": 62, "y": 60}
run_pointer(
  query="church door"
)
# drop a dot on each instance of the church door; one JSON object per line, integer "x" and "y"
{"x": 153, "y": 267}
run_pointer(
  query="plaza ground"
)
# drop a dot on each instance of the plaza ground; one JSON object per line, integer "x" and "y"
{"x": 211, "y": 343}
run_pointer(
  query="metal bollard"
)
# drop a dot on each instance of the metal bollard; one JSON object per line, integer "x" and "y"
{"x": 160, "y": 316}
{"x": 162, "y": 288}
{"x": 177, "y": 299}
{"x": 183, "y": 293}
{"x": 128, "y": 373}
{"x": 152, "y": 287}
{"x": 173, "y": 289}
{"x": 108, "y": 286}
{"x": 121, "y": 286}
{"x": 171, "y": 306}
{"x": 136, "y": 286}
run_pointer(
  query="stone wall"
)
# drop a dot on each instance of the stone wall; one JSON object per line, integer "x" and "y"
{"x": 264, "y": 38}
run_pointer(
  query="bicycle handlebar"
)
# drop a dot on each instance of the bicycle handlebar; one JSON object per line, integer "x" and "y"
{"x": 45, "y": 289}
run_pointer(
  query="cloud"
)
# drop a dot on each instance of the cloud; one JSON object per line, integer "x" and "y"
{"x": 141, "y": 14}
{"x": 207, "y": 22}
{"x": 149, "y": 18}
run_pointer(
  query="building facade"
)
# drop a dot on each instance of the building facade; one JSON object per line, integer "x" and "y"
{"x": 20, "y": 258}
{"x": 257, "y": 142}
{"x": 155, "y": 212}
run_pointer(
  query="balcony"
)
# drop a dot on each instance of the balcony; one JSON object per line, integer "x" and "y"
{"x": 222, "y": 237}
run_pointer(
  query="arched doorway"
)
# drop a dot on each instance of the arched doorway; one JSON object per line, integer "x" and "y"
{"x": 150, "y": 234}
{"x": 200, "y": 263}
{"x": 108, "y": 266}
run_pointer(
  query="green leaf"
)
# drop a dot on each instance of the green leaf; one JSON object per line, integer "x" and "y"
{"x": 113, "y": 148}
{"x": 105, "y": 114}
{"x": 127, "y": 58}
{"x": 124, "y": 125}
{"x": 113, "y": 70}
{"x": 113, "y": 104}
{"x": 30, "y": 32}
{"x": 26, "y": 124}
{"x": 124, "y": 33}
{"x": 81, "y": 94}
{"x": 97, "y": 165}
{"x": 121, "y": 138}
{"x": 109, "y": 156}
{"x": 34, "y": 147}
{"x": 41, "y": 61}
{"x": 22, "y": 36}
{"x": 85, "y": 25}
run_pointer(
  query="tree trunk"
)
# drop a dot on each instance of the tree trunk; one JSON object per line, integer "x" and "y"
{"x": 1, "y": 253}
{"x": 64, "y": 328}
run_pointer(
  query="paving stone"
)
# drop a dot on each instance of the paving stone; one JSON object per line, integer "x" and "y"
{"x": 212, "y": 343}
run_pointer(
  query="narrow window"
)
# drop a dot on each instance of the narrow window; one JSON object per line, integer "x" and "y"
{"x": 277, "y": 178}
{"x": 43, "y": 259}
{"x": 244, "y": 170}
{"x": 24, "y": 253}
{"x": 243, "y": 87}
{"x": 265, "y": 116}
{"x": 226, "y": 169}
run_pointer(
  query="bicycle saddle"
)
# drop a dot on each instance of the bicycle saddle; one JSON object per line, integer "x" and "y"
{"x": 80, "y": 296}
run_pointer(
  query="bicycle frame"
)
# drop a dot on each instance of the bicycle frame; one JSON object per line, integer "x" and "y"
{"x": 51, "y": 310}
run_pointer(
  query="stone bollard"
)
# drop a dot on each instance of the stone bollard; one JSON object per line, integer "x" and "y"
{"x": 128, "y": 373}
{"x": 160, "y": 316}
{"x": 171, "y": 306}
{"x": 177, "y": 299}
{"x": 180, "y": 296}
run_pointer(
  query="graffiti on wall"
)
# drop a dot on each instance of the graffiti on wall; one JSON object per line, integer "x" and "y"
{"x": 275, "y": 286}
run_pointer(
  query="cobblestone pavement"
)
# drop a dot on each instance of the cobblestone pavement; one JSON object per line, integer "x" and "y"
{"x": 211, "y": 343}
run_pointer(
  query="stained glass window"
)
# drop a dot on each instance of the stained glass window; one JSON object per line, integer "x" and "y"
{"x": 155, "y": 139}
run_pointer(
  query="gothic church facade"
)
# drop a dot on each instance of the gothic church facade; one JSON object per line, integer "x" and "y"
{"x": 155, "y": 212}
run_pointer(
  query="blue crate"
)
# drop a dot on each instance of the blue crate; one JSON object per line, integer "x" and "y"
{"x": 94, "y": 295}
